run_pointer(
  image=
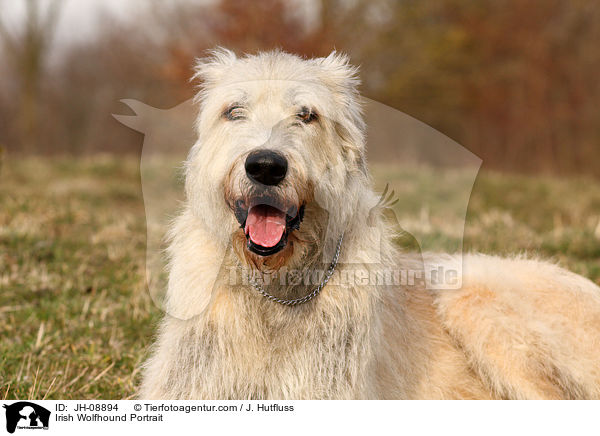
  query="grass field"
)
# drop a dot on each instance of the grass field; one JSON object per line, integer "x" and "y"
{"x": 76, "y": 318}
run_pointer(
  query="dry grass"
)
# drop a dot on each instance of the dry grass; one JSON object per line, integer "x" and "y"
{"x": 76, "y": 318}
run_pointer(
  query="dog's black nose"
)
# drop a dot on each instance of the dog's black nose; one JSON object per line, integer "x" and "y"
{"x": 266, "y": 166}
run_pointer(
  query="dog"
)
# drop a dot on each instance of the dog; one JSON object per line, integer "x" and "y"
{"x": 278, "y": 182}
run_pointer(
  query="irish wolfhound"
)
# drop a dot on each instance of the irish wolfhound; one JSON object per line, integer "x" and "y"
{"x": 278, "y": 182}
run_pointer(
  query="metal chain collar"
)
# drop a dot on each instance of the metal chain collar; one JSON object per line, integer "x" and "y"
{"x": 259, "y": 287}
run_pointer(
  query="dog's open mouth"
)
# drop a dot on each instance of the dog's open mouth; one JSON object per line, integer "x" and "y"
{"x": 267, "y": 227}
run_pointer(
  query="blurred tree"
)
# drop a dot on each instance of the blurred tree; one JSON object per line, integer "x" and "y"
{"x": 27, "y": 51}
{"x": 513, "y": 80}
{"x": 241, "y": 26}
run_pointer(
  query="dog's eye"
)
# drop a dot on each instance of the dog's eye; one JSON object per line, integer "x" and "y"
{"x": 234, "y": 113}
{"x": 306, "y": 115}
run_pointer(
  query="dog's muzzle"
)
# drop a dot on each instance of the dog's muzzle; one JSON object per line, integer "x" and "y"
{"x": 266, "y": 217}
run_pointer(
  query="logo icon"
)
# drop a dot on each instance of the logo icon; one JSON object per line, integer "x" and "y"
{"x": 26, "y": 415}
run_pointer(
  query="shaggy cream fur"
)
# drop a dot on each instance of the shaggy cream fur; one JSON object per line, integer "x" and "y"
{"x": 517, "y": 328}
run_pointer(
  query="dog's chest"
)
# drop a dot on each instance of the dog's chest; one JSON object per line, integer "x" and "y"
{"x": 278, "y": 358}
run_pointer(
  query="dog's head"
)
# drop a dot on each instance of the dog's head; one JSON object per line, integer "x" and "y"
{"x": 279, "y": 154}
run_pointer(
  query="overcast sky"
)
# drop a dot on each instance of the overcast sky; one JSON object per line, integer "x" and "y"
{"x": 79, "y": 18}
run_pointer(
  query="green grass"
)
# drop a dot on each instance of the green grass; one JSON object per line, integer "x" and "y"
{"x": 551, "y": 218}
{"x": 76, "y": 319}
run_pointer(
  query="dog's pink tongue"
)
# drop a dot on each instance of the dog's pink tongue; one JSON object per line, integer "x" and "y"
{"x": 265, "y": 225}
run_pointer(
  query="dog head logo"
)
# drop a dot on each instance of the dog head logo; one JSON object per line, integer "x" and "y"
{"x": 26, "y": 415}
{"x": 276, "y": 169}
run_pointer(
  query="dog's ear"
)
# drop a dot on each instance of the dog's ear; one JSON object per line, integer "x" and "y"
{"x": 341, "y": 77}
{"x": 339, "y": 73}
{"x": 210, "y": 70}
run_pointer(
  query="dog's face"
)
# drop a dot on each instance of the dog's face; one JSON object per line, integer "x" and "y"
{"x": 280, "y": 139}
